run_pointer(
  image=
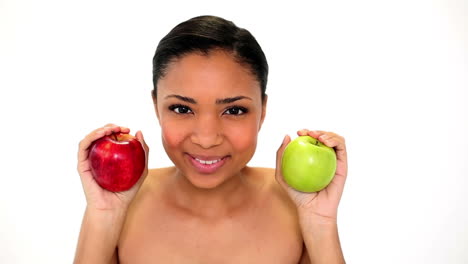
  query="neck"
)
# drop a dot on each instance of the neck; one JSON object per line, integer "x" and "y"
{"x": 216, "y": 202}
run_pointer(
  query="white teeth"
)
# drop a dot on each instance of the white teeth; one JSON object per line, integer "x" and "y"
{"x": 209, "y": 162}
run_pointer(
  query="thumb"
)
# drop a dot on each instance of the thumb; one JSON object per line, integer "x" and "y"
{"x": 139, "y": 136}
{"x": 279, "y": 156}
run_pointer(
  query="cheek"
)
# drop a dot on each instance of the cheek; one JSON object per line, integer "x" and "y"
{"x": 243, "y": 137}
{"x": 173, "y": 134}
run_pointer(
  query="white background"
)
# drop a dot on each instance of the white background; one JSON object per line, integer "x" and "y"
{"x": 390, "y": 76}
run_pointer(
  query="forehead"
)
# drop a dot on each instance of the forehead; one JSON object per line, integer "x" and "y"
{"x": 216, "y": 73}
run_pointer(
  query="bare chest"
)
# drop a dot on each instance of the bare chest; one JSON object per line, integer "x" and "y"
{"x": 269, "y": 237}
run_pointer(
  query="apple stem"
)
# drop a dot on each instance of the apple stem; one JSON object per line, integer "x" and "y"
{"x": 114, "y": 136}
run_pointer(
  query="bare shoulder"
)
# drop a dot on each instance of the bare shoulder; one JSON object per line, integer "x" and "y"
{"x": 266, "y": 176}
{"x": 143, "y": 205}
{"x": 272, "y": 190}
{"x": 159, "y": 174}
{"x": 155, "y": 178}
{"x": 278, "y": 206}
{"x": 150, "y": 191}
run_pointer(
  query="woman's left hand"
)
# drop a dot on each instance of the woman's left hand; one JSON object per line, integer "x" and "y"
{"x": 322, "y": 204}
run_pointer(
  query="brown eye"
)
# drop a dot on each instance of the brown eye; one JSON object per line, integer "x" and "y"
{"x": 236, "y": 110}
{"x": 180, "y": 109}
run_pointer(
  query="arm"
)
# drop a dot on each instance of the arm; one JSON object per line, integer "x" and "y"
{"x": 106, "y": 211}
{"x": 318, "y": 211}
{"x": 321, "y": 240}
{"x": 100, "y": 231}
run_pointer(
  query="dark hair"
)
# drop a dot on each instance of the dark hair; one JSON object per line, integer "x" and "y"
{"x": 206, "y": 33}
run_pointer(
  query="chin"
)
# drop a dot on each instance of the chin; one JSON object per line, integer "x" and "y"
{"x": 206, "y": 181}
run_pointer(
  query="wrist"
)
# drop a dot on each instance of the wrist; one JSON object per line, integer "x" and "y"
{"x": 107, "y": 206}
{"x": 99, "y": 235}
{"x": 320, "y": 235}
{"x": 315, "y": 218}
{"x": 318, "y": 225}
{"x": 105, "y": 216}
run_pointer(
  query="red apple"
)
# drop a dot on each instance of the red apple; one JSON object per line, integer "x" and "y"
{"x": 117, "y": 161}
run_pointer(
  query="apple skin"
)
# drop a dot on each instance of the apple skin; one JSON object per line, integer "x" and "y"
{"x": 308, "y": 165}
{"x": 117, "y": 161}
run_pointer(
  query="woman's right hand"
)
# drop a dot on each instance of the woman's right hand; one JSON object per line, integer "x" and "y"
{"x": 97, "y": 197}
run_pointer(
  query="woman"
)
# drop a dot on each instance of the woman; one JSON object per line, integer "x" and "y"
{"x": 209, "y": 96}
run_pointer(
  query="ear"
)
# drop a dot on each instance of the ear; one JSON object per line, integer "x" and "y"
{"x": 264, "y": 107}
{"x": 155, "y": 103}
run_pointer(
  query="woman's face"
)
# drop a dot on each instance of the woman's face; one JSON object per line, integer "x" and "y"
{"x": 210, "y": 111}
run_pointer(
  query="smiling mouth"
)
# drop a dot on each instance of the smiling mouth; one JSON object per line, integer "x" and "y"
{"x": 207, "y": 164}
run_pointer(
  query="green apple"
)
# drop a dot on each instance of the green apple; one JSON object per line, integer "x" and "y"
{"x": 308, "y": 165}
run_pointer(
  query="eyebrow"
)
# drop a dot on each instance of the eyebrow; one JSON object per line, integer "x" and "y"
{"x": 218, "y": 101}
{"x": 231, "y": 99}
{"x": 182, "y": 98}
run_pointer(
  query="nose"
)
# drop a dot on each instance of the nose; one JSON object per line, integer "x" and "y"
{"x": 207, "y": 132}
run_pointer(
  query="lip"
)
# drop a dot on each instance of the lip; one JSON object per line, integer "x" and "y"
{"x": 207, "y": 168}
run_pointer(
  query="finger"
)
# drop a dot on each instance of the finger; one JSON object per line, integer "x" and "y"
{"x": 111, "y": 128}
{"x": 325, "y": 137}
{"x": 141, "y": 138}
{"x": 329, "y": 139}
{"x": 279, "y": 156}
{"x": 96, "y": 134}
{"x": 106, "y": 130}
{"x": 302, "y": 132}
{"x": 338, "y": 143}
{"x": 86, "y": 142}
{"x": 315, "y": 133}
{"x": 332, "y": 140}
{"x": 279, "y": 152}
{"x": 120, "y": 129}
